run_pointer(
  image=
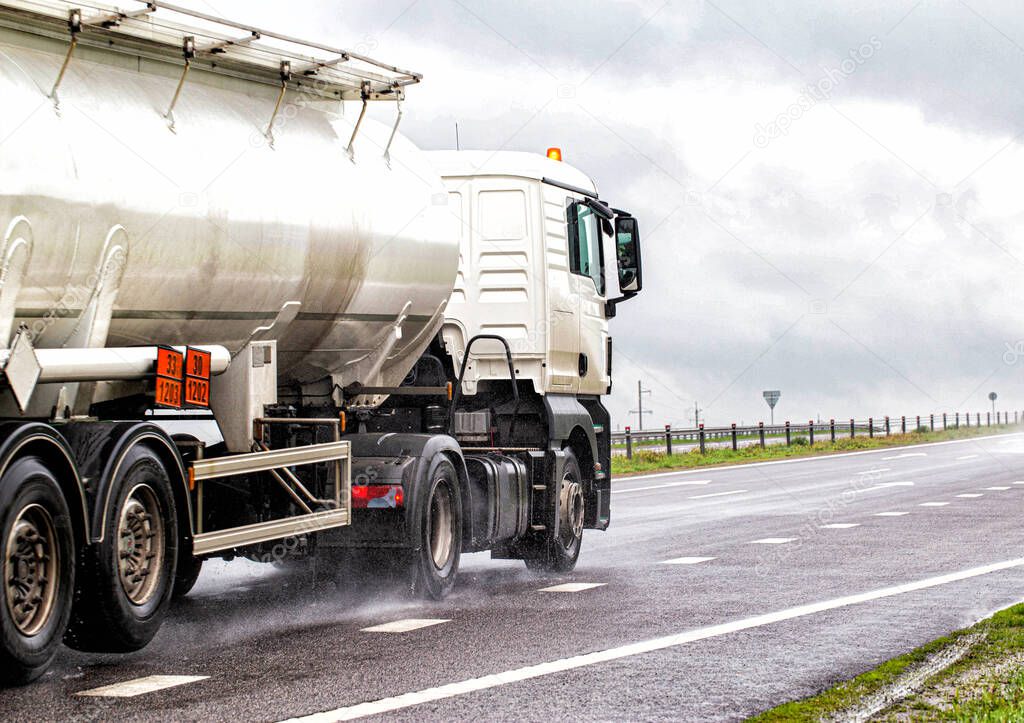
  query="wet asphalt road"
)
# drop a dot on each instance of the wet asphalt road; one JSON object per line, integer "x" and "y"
{"x": 276, "y": 644}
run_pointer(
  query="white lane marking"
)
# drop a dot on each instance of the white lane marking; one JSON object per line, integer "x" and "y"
{"x": 966, "y": 456}
{"x": 891, "y": 514}
{"x": 933, "y": 504}
{"x": 905, "y": 456}
{"x": 876, "y": 471}
{"x": 971, "y": 495}
{"x": 404, "y": 626}
{"x": 840, "y": 525}
{"x": 1019, "y": 482}
{"x": 885, "y": 485}
{"x": 495, "y": 680}
{"x": 772, "y": 541}
{"x": 717, "y": 494}
{"x": 997, "y": 489}
{"x": 686, "y": 560}
{"x": 669, "y": 484}
{"x": 818, "y": 458}
{"x": 573, "y": 587}
{"x": 141, "y": 686}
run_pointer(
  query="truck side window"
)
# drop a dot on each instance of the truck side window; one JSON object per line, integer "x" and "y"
{"x": 585, "y": 252}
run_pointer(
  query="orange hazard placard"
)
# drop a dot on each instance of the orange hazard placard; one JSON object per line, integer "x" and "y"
{"x": 197, "y": 392}
{"x": 169, "y": 362}
{"x": 168, "y": 392}
{"x": 197, "y": 363}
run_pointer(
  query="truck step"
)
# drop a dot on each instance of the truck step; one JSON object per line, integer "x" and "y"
{"x": 538, "y": 528}
{"x": 539, "y": 488}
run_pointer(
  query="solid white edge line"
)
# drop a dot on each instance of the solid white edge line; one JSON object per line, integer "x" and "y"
{"x": 473, "y": 685}
{"x": 816, "y": 458}
{"x": 685, "y": 483}
{"x": 716, "y": 494}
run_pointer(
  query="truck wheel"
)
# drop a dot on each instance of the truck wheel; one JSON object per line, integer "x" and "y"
{"x": 129, "y": 577}
{"x": 559, "y": 554}
{"x": 38, "y": 570}
{"x": 188, "y": 573}
{"x": 435, "y": 558}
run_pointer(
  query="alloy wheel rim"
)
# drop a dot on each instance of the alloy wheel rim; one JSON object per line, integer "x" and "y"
{"x": 31, "y": 561}
{"x": 571, "y": 508}
{"x": 140, "y": 549}
{"x": 441, "y": 525}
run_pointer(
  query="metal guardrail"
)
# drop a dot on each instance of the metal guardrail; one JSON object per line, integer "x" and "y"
{"x": 811, "y": 431}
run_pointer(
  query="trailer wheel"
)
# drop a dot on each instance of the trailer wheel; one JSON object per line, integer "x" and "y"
{"x": 435, "y": 557}
{"x": 38, "y": 570}
{"x": 559, "y": 554}
{"x": 129, "y": 576}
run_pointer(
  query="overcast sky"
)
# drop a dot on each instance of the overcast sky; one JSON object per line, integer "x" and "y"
{"x": 830, "y": 198}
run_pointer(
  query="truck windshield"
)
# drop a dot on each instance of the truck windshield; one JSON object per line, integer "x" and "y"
{"x": 586, "y": 258}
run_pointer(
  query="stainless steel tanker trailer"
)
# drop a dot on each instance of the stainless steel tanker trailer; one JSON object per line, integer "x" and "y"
{"x": 242, "y": 315}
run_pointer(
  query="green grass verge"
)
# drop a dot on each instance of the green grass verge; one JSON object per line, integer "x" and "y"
{"x": 986, "y": 684}
{"x": 645, "y": 461}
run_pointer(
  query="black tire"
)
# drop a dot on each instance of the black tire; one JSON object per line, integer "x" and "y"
{"x": 35, "y": 536}
{"x": 119, "y": 609}
{"x": 559, "y": 554}
{"x": 436, "y": 551}
{"x": 187, "y": 574}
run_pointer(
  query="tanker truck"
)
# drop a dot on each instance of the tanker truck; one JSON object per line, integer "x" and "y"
{"x": 241, "y": 315}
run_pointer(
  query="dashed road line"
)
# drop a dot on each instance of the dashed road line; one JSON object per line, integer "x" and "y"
{"x": 891, "y": 514}
{"x": 572, "y": 587}
{"x": 880, "y": 470}
{"x": 772, "y": 541}
{"x": 997, "y": 489}
{"x": 971, "y": 495}
{"x": 886, "y": 485}
{"x": 684, "y": 483}
{"x": 966, "y": 456}
{"x": 1019, "y": 482}
{"x": 405, "y": 626}
{"x": 905, "y": 456}
{"x": 933, "y": 504}
{"x": 717, "y": 494}
{"x": 840, "y": 526}
{"x": 141, "y": 686}
{"x": 687, "y": 560}
{"x": 495, "y": 680}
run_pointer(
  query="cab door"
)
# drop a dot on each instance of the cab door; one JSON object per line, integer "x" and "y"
{"x": 587, "y": 266}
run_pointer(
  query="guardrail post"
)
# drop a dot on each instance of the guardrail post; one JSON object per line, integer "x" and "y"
{"x": 629, "y": 444}
{"x": 943, "y": 421}
{"x": 967, "y": 419}
{"x": 832, "y": 430}
{"x": 931, "y": 422}
{"x": 997, "y": 419}
{"x": 918, "y": 425}
{"x": 887, "y": 427}
{"x": 760, "y": 432}
{"x": 701, "y": 434}
{"x": 1015, "y": 418}
{"x": 988, "y": 419}
{"x": 788, "y": 439}
{"x": 903, "y": 424}
{"x": 956, "y": 420}
{"x": 734, "y": 445}
{"x": 810, "y": 432}
{"x": 871, "y": 427}
{"x": 977, "y": 419}
{"x": 668, "y": 439}
{"x": 853, "y": 430}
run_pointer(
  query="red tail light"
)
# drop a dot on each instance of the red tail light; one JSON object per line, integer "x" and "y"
{"x": 377, "y": 496}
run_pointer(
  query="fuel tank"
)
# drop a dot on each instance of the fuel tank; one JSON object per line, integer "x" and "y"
{"x": 124, "y": 225}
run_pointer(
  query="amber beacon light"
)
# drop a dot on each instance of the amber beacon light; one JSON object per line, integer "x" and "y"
{"x": 555, "y": 154}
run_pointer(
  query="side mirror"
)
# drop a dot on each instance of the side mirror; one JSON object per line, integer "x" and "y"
{"x": 627, "y": 254}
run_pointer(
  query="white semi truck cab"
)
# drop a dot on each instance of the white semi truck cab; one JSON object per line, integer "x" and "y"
{"x": 238, "y": 317}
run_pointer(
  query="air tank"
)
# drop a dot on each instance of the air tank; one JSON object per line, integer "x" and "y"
{"x": 124, "y": 225}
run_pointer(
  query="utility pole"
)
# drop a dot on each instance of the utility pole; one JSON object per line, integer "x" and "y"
{"x": 696, "y": 415}
{"x": 640, "y": 411}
